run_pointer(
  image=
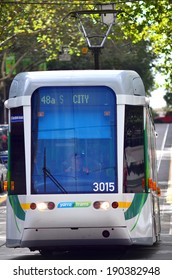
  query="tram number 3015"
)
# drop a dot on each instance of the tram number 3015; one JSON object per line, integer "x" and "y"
{"x": 103, "y": 186}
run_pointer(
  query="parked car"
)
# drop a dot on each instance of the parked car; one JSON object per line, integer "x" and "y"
{"x": 3, "y": 137}
{"x": 164, "y": 119}
{"x": 4, "y": 157}
{"x": 3, "y": 175}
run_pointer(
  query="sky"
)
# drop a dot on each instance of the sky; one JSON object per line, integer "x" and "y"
{"x": 156, "y": 100}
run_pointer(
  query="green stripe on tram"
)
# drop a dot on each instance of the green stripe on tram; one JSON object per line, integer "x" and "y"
{"x": 9, "y": 162}
{"x": 146, "y": 159}
{"x": 136, "y": 206}
{"x": 15, "y": 203}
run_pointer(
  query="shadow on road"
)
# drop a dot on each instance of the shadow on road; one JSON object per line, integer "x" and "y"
{"x": 112, "y": 253}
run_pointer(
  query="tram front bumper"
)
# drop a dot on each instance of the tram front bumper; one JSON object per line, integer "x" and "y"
{"x": 42, "y": 237}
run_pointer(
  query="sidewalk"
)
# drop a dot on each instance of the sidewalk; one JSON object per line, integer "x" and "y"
{"x": 3, "y": 197}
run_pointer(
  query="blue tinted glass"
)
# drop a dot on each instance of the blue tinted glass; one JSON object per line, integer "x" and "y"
{"x": 74, "y": 140}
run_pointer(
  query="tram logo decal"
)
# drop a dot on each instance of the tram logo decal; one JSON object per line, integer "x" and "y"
{"x": 15, "y": 119}
{"x": 72, "y": 204}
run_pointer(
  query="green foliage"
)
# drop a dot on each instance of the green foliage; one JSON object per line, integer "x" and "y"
{"x": 114, "y": 56}
{"x": 39, "y": 30}
{"x": 151, "y": 21}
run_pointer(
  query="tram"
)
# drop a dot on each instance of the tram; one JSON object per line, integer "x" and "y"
{"x": 82, "y": 161}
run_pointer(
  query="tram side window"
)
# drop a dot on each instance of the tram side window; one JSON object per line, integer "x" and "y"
{"x": 133, "y": 149}
{"x": 17, "y": 152}
{"x": 151, "y": 147}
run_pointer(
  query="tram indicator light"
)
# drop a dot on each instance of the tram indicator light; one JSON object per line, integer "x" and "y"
{"x": 12, "y": 185}
{"x": 150, "y": 183}
{"x": 33, "y": 206}
{"x": 115, "y": 204}
{"x": 50, "y": 205}
{"x": 158, "y": 191}
{"x": 154, "y": 186}
{"x": 143, "y": 183}
{"x": 96, "y": 204}
{"x": 5, "y": 187}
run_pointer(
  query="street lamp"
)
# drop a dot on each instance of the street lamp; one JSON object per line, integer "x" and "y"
{"x": 108, "y": 15}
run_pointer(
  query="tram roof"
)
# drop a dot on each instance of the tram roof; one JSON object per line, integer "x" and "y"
{"x": 126, "y": 82}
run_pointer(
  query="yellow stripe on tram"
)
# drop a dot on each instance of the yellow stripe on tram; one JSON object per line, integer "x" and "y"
{"x": 25, "y": 206}
{"x": 124, "y": 204}
{"x": 121, "y": 204}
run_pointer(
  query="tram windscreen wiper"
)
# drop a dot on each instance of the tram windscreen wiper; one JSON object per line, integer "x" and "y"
{"x": 48, "y": 174}
{"x": 53, "y": 179}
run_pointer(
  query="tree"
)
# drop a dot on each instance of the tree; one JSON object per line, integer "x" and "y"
{"x": 115, "y": 56}
{"x": 168, "y": 99}
{"x": 151, "y": 21}
{"x": 40, "y": 29}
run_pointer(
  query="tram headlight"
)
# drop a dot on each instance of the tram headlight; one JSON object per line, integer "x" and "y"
{"x": 41, "y": 206}
{"x": 104, "y": 205}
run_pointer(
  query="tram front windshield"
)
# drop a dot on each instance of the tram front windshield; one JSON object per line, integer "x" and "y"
{"x": 73, "y": 134}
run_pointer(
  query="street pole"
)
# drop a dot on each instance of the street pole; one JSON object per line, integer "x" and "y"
{"x": 4, "y": 97}
{"x": 108, "y": 15}
{"x": 96, "y": 53}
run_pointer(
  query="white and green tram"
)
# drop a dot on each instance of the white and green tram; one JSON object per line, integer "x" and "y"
{"x": 82, "y": 161}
